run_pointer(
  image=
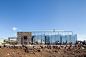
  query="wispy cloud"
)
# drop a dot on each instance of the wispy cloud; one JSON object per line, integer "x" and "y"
{"x": 81, "y": 37}
{"x": 14, "y": 28}
{"x": 15, "y": 33}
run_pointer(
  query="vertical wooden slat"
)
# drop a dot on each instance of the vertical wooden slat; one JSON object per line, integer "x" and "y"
{"x": 23, "y": 40}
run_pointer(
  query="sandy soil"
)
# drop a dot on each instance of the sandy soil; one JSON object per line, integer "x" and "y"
{"x": 7, "y": 52}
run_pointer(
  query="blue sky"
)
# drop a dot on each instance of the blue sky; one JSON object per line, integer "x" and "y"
{"x": 67, "y": 15}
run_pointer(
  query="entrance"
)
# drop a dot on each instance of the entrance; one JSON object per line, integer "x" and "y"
{"x": 25, "y": 40}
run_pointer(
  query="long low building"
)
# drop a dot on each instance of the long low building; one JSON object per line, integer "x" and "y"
{"x": 46, "y": 37}
{"x": 52, "y": 39}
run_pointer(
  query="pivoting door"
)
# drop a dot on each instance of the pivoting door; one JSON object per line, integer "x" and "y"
{"x": 25, "y": 40}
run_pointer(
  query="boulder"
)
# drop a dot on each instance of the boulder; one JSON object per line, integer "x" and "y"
{"x": 71, "y": 47}
{"x": 67, "y": 47}
{"x": 82, "y": 48}
{"x": 62, "y": 47}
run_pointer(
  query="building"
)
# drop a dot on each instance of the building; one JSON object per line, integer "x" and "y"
{"x": 25, "y": 38}
{"x": 1, "y": 40}
{"x": 6, "y": 39}
{"x": 44, "y": 37}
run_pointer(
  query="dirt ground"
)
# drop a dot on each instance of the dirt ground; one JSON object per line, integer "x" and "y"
{"x": 7, "y": 52}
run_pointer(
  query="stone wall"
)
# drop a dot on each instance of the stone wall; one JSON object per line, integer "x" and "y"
{"x": 20, "y": 36}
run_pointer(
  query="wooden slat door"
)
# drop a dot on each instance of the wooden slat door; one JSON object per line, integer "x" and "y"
{"x": 23, "y": 40}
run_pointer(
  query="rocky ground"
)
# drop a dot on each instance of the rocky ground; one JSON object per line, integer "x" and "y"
{"x": 7, "y": 52}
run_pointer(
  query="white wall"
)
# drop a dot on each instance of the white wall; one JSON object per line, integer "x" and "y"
{"x": 1, "y": 40}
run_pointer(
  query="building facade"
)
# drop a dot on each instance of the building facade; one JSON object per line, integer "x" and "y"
{"x": 45, "y": 37}
{"x": 25, "y": 38}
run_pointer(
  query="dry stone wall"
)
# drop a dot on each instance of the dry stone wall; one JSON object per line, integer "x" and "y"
{"x": 20, "y": 35}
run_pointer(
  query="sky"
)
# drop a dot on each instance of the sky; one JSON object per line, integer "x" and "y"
{"x": 31, "y": 15}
